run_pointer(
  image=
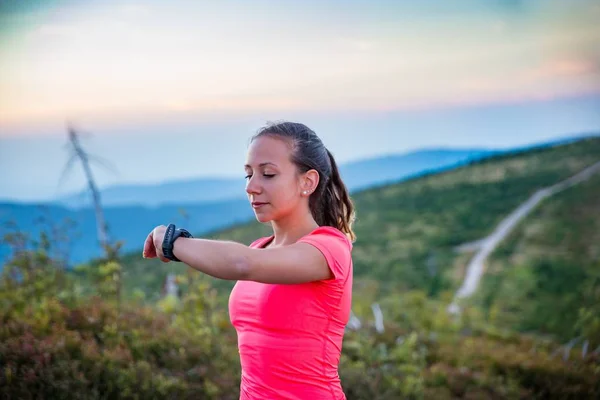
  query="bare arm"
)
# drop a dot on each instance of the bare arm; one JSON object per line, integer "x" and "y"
{"x": 296, "y": 263}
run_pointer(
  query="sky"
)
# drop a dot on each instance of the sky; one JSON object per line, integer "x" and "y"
{"x": 169, "y": 90}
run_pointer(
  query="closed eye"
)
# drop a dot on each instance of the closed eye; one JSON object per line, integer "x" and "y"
{"x": 268, "y": 176}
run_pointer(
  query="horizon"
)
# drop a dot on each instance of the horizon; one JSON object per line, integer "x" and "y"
{"x": 549, "y": 142}
{"x": 222, "y": 154}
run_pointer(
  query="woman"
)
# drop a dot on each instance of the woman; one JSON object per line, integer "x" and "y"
{"x": 293, "y": 293}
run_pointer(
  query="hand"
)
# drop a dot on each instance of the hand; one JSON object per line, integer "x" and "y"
{"x": 153, "y": 244}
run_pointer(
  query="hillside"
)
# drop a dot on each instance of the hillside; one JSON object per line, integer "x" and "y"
{"x": 545, "y": 277}
{"x": 407, "y": 232}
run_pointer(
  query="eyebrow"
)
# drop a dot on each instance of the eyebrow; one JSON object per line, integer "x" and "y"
{"x": 261, "y": 164}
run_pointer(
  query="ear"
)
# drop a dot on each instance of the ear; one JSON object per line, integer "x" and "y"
{"x": 309, "y": 182}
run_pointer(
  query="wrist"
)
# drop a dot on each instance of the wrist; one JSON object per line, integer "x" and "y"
{"x": 179, "y": 247}
{"x": 169, "y": 240}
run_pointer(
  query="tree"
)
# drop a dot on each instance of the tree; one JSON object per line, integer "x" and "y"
{"x": 79, "y": 153}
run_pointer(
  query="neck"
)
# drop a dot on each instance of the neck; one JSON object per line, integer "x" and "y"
{"x": 290, "y": 230}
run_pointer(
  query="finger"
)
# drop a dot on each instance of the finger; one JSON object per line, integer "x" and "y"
{"x": 149, "y": 249}
{"x": 159, "y": 253}
{"x": 146, "y": 248}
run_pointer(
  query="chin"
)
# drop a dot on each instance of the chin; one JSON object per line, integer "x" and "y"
{"x": 263, "y": 218}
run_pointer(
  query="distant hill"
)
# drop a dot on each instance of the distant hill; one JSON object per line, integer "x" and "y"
{"x": 357, "y": 175}
{"x": 206, "y": 202}
{"x": 130, "y": 224}
{"x": 408, "y": 233}
{"x": 202, "y": 190}
{"x": 131, "y": 210}
{"x": 393, "y": 168}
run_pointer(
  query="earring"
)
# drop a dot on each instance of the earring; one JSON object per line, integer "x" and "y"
{"x": 305, "y": 192}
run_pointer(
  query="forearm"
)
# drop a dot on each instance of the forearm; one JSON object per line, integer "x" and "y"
{"x": 220, "y": 259}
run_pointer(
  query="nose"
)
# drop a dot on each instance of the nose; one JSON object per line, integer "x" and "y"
{"x": 252, "y": 186}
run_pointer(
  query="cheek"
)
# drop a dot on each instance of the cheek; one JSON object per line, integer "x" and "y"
{"x": 284, "y": 193}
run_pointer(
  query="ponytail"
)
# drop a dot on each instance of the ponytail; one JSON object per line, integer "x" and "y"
{"x": 330, "y": 204}
{"x": 336, "y": 208}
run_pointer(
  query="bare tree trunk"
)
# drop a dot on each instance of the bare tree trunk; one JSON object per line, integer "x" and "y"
{"x": 378, "y": 317}
{"x": 100, "y": 222}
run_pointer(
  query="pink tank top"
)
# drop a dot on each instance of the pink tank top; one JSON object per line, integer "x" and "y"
{"x": 290, "y": 336}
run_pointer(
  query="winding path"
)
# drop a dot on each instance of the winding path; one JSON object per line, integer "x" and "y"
{"x": 487, "y": 245}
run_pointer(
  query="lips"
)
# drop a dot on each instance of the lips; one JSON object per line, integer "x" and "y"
{"x": 258, "y": 204}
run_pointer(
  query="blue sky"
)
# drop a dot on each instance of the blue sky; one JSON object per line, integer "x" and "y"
{"x": 192, "y": 80}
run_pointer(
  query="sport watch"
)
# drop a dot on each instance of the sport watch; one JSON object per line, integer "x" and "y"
{"x": 171, "y": 235}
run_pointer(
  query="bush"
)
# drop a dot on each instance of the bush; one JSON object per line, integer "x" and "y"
{"x": 56, "y": 343}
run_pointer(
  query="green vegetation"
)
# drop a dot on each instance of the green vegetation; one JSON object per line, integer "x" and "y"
{"x": 546, "y": 276}
{"x": 407, "y": 231}
{"x": 104, "y": 331}
{"x": 55, "y": 343}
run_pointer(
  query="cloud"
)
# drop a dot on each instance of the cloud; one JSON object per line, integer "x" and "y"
{"x": 354, "y": 44}
{"x": 499, "y": 27}
{"x": 364, "y": 45}
{"x": 238, "y": 104}
{"x": 134, "y": 10}
{"x": 56, "y": 30}
{"x": 564, "y": 67}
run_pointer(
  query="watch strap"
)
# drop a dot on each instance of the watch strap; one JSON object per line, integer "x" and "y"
{"x": 171, "y": 235}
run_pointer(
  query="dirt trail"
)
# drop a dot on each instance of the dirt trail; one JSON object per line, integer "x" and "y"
{"x": 487, "y": 245}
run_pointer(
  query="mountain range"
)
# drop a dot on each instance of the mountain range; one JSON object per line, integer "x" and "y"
{"x": 201, "y": 205}
{"x": 357, "y": 175}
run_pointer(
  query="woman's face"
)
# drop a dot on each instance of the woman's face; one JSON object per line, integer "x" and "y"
{"x": 273, "y": 184}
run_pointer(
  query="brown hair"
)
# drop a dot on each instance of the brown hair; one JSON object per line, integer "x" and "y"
{"x": 330, "y": 204}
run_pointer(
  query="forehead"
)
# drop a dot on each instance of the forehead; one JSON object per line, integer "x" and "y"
{"x": 268, "y": 149}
